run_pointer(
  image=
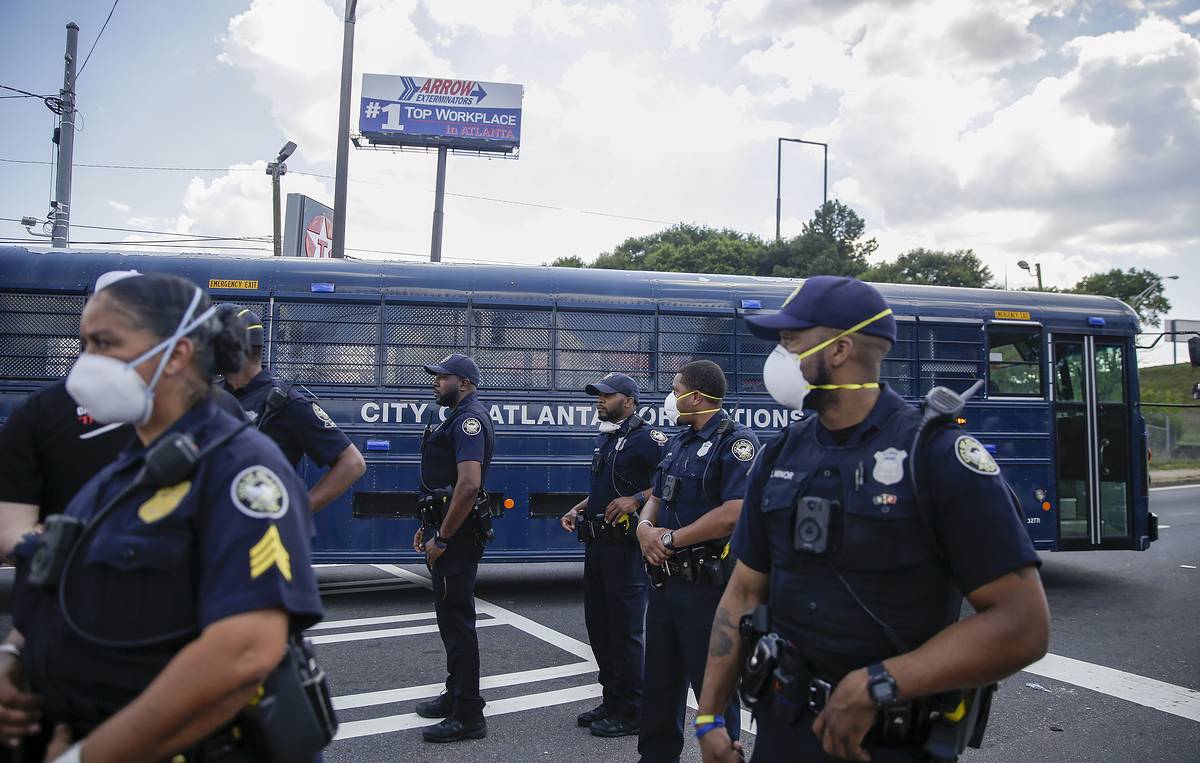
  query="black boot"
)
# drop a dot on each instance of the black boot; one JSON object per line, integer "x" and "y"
{"x": 455, "y": 730}
{"x": 436, "y": 708}
{"x": 591, "y": 716}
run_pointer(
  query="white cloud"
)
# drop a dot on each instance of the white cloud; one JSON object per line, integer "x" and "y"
{"x": 1191, "y": 19}
{"x": 118, "y": 206}
{"x": 690, "y": 22}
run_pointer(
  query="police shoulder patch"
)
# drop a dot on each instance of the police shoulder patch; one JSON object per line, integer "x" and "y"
{"x": 743, "y": 449}
{"x": 472, "y": 426}
{"x": 258, "y": 492}
{"x": 658, "y": 437}
{"x": 324, "y": 417}
{"x": 971, "y": 454}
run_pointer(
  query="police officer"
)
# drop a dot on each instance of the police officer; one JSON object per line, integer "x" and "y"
{"x": 863, "y": 568}
{"x": 683, "y": 533}
{"x": 454, "y": 462}
{"x": 149, "y": 617}
{"x": 624, "y": 460}
{"x": 51, "y": 446}
{"x": 298, "y": 424}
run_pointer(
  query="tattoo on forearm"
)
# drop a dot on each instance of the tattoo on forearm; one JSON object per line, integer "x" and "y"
{"x": 721, "y": 643}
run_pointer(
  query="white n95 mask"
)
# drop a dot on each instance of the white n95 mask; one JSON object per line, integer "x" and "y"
{"x": 113, "y": 391}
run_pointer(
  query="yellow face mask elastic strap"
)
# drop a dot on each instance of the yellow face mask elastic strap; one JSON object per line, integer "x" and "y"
{"x": 707, "y": 410}
{"x": 856, "y": 327}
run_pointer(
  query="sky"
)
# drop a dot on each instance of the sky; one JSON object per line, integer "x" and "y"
{"x": 1053, "y": 131}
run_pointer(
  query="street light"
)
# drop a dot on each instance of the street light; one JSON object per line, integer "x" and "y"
{"x": 1023, "y": 265}
{"x": 1146, "y": 291}
{"x": 779, "y": 175}
{"x": 276, "y": 170}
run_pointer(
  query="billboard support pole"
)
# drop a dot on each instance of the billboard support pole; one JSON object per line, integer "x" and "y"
{"x": 439, "y": 207}
{"x": 343, "y": 138}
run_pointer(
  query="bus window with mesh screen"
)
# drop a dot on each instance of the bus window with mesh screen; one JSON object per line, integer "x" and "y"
{"x": 1015, "y": 361}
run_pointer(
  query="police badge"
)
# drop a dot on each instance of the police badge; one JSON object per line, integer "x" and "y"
{"x": 889, "y": 466}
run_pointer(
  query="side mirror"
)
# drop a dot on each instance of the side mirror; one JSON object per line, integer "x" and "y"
{"x": 1194, "y": 351}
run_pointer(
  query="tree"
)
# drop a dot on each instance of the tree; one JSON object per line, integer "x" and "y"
{"x": 829, "y": 244}
{"x": 686, "y": 248}
{"x": 933, "y": 268}
{"x": 1141, "y": 289}
{"x": 569, "y": 261}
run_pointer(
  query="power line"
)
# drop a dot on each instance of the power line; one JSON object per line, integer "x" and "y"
{"x": 476, "y": 197}
{"x": 53, "y": 102}
{"x": 189, "y": 236}
{"x": 97, "y": 40}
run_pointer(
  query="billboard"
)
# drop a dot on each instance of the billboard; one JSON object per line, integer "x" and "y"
{"x": 307, "y": 228}
{"x": 432, "y": 111}
{"x": 1174, "y": 325}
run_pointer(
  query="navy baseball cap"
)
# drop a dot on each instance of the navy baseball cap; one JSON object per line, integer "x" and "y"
{"x": 831, "y": 301}
{"x": 247, "y": 319}
{"x": 614, "y": 382}
{"x": 457, "y": 365}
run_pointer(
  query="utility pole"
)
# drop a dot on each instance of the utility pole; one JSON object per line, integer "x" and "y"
{"x": 341, "y": 174}
{"x": 276, "y": 170}
{"x": 61, "y": 234}
{"x": 439, "y": 207}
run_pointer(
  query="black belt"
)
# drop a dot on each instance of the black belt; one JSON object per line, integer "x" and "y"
{"x": 588, "y": 529}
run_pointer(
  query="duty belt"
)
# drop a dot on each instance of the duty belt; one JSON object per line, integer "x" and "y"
{"x": 588, "y": 529}
{"x": 694, "y": 564}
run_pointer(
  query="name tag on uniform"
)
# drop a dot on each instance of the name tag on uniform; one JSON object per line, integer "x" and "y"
{"x": 704, "y": 449}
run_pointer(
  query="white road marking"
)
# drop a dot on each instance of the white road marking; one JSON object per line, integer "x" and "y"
{"x": 392, "y": 723}
{"x": 337, "y": 638}
{"x": 549, "y": 635}
{"x": 1164, "y": 527}
{"x": 331, "y": 624}
{"x": 391, "y": 586}
{"x": 1174, "y": 487}
{"x": 389, "y": 696}
{"x": 1188, "y": 566}
{"x": 1148, "y": 692}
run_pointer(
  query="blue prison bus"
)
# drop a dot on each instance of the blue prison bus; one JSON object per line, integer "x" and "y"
{"x": 1059, "y": 409}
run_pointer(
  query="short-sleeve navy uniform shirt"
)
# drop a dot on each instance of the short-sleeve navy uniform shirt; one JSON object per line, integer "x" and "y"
{"x": 465, "y": 435}
{"x": 628, "y": 458}
{"x": 911, "y": 572}
{"x": 710, "y": 469}
{"x": 300, "y": 427}
{"x": 231, "y": 539}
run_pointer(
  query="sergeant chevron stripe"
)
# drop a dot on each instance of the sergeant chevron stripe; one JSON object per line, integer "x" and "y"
{"x": 269, "y": 552}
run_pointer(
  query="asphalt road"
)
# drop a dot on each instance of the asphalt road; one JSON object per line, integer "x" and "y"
{"x": 1119, "y": 684}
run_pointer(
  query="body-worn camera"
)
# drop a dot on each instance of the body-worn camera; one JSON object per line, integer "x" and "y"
{"x": 670, "y": 487}
{"x": 815, "y": 523}
{"x": 50, "y": 559}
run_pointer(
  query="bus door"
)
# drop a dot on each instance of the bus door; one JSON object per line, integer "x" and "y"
{"x": 1092, "y": 431}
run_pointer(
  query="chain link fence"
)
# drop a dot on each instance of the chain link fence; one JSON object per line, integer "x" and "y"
{"x": 1174, "y": 432}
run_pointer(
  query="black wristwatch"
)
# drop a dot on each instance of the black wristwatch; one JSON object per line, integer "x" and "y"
{"x": 881, "y": 685}
{"x": 668, "y": 540}
{"x": 439, "y": 541}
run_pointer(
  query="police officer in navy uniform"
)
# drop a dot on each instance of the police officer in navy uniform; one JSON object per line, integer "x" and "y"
{"x": 626, "y": 454}
{"x": 179, "y": 593}
{"x": 863, "y": 567}
{"x": 298, "y": 424}
{"x": 454, "y": 462}
{"x": 683, "y": 532}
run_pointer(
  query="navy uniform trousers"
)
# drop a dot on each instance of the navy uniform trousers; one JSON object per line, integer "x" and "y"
{"x": 678, "y": 625}
{"x": 454, "y": 605}
{"x": 614, "y": 609}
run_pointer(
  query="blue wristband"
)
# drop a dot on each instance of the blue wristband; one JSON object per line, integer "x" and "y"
{"x": 702, "y": 730}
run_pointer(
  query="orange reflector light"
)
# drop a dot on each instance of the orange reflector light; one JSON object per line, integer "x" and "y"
{"x": 509, "y": 503}
{"x": 960, "y": 421}
{"x": 1045, "y": 506}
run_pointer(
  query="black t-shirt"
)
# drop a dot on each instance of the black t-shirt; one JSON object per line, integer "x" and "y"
{"x": 42, "y": 459}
